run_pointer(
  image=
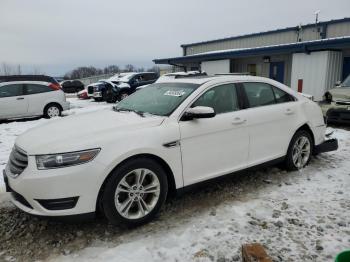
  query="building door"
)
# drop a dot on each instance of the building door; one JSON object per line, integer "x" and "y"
{"x": 277, "y": 71}
{"x": 346, "y": 67}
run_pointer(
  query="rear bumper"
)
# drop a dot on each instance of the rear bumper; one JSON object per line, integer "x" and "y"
{"x": 326, "y": 146}
{"x": 338, "y": 115}
{"x": 65, "y": 105}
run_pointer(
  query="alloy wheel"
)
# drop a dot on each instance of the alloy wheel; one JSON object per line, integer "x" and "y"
{"x": 301, "y": 151}
{"x": 137, "y": 193}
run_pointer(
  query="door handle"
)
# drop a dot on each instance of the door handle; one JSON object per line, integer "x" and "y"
{"x": 20, "y": 98}
{"x": 289, "y": 111}
{"x": 238, "y": 121}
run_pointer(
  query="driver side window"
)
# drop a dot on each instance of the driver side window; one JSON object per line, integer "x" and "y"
{"x": 221, "y": 98}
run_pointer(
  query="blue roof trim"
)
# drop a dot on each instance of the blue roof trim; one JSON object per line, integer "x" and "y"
{"x": 324, "y": 23}
{"x": 299, "y": 47}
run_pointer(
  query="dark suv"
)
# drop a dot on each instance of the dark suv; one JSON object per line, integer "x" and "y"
{"x": 126, "y": 84}
{"x": 99, "y": 89}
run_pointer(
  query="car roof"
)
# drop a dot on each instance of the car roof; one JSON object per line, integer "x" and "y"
{"x": 24, "y": 82}
{"x": 41, "y": 78}
{"x": 216, "y": 78}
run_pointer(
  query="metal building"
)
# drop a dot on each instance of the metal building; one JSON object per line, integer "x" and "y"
{"x": 309, "y": 58}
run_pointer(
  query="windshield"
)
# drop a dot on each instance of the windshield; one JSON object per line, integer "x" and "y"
{"x": 157, "y": 99}
{"x": 125, "y": 78}
{"x": 346, "y": 82}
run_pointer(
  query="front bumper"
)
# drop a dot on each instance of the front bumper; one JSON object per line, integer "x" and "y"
{"x": 326, "y": 146}
{"x": 336, "y": 113}
{"x": 97, "y": 94}
{"x": 56, "y": 192}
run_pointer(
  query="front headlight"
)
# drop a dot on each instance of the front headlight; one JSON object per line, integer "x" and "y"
{"x": 65, "y": 159}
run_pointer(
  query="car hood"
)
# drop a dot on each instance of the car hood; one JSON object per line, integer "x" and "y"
{"x": 340, "y": 94}
{"x": 84, "y": 131}
{"x": 122, "y": 84}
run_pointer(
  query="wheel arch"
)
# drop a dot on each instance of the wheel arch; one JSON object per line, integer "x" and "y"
{"x": 306, "y": 127}
{"x": 161, "y": 161}
{"x": 52, "y": 103}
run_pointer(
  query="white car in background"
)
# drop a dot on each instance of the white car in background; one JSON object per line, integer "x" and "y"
{"x": 171, "y": 76}
{"x": 21, "y": 98}
{"x": 159, "y": 140}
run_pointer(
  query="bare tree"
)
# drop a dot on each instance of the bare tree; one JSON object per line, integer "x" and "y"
{"x": 37, "y": 71}
{"x": 18, "y": 71}
{"x": 129, "y": 68}
{"x": 154, "y": 69}
{"x": 6, "y": 69}
{"x": 111, "y": 69}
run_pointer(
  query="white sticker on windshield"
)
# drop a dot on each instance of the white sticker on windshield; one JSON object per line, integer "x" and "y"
{"x": 174, "y": 93}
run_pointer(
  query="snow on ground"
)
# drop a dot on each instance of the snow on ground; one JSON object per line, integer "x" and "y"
{"x": 297, "y": 216}
{"x": 10, "y": 130}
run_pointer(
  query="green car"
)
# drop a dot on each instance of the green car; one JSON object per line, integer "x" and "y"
{"x": 336, "y": 107}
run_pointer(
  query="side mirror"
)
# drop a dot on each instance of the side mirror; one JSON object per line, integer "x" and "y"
{"x": 338, "y": 83}
{"x": 199, "y": 112}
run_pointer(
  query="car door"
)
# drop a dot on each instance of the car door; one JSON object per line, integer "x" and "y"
{"x": 214, "y": 146}
{"x": 37, "y": 96}
{"x": 271, "y": 117}
{"x": 12, "y": 101}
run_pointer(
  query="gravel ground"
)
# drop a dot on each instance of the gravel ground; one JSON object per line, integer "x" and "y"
{"x": 297, "y": 216}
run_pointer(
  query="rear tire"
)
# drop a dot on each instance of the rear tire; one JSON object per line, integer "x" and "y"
{"x": 135, "y": 192}
{"x": 52, "y": 110}
{"x": 328, "y": 97}
{"x": 299, "y": 151}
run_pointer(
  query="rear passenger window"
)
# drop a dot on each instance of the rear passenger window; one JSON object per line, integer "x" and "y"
{"x": 221, "y": 98}
{"x": 149, "y": 77}
{"x": 11, "y": 90}
{"x": 36, "y": 89}
{"x": 281, "y": 96}
{"x": 259, "y": 94}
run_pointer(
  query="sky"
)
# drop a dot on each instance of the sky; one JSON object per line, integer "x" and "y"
{"x": 55, "y": 36}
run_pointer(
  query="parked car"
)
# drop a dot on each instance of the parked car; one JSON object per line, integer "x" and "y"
{"x": 127, "y": 83}
{"x": 30, "y": 96}
{"x": 336, "y": 107}
{"x": 72, "y": 86}
{"x": 176, "y": 75}
{"x": 99, "y": 89}
{"x": 159, "y": 140}
{"x": 83, "y": 94}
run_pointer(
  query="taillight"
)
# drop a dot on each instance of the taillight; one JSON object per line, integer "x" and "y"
{"x": 55, "y": 86}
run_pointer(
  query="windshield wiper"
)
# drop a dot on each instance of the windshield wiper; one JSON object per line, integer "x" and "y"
{"x": 140, "y": 113}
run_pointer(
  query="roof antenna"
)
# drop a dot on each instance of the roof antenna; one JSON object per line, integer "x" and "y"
{"x": 317, "y": 12}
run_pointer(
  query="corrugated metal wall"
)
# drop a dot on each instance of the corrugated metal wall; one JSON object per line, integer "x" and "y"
{"x": 263, "y": 69}
{"x": 318, "y": 70}
{"x": 274, "y": 38}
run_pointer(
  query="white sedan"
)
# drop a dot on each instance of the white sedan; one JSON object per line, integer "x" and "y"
{"x": 126, "y": 160}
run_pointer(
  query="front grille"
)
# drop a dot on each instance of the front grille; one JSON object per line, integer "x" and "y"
{"x": 90, "y": 89}
{"x": 343, "y": 103}
{"x": 18, "y": 161}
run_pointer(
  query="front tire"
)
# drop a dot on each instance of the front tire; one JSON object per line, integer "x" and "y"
{"x": 299, "y": 150}
{"x": 123, "y": 95}
{"x": 135, "y": 192}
